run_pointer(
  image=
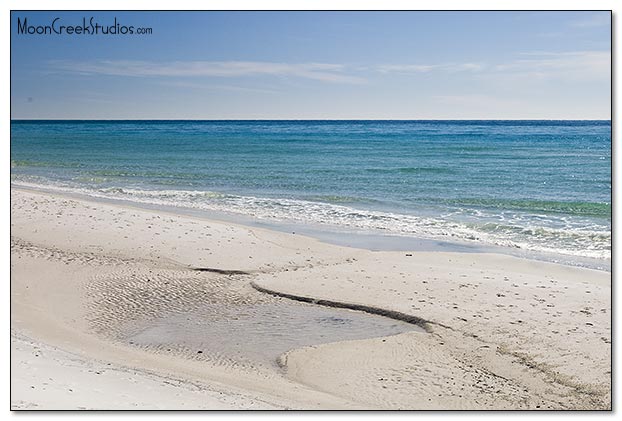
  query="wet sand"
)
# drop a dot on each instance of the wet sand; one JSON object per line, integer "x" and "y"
{"x": 101, "y": 284}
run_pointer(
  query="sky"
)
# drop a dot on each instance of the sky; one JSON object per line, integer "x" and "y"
{"x": 314, "y": 65}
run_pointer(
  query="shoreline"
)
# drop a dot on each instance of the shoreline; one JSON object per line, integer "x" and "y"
{"x": 103, "y": 253}
{"x": 340, "y": 236}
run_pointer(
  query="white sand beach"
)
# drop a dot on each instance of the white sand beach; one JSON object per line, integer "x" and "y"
{"x": 94, "y": 286}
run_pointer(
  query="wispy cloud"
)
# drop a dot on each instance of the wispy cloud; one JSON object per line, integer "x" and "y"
{"x": 218, "y": 87}
{"x": 596, "y": 20}
{"x": 568, "y": 65}
{"x": 584, "y": 65}
{"x": 427, "y": 68}
{"x": 538, "y": 65}
{"x": 324, "y": 72}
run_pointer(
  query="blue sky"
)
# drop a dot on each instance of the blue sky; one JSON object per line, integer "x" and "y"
{"x": 316, "y": 65}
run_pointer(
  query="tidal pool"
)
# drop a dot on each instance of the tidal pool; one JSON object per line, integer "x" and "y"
{"x": 259, "y": 333}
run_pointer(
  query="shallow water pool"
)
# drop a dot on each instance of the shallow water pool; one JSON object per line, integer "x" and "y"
{"x": 260, "y": 333}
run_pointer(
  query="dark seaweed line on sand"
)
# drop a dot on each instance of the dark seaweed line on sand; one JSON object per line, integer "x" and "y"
{"x": 396, "y": 315}
{"x": 222, "y": 271}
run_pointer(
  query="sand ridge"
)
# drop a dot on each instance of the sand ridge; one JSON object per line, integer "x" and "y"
{"x": 544, "y": 326}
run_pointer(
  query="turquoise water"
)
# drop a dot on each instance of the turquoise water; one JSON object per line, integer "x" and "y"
{"x": 541, "y": 186}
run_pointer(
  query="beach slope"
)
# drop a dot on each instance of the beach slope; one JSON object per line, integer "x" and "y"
{"x": 501, "y": 332}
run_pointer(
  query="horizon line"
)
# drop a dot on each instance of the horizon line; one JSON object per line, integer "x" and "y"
{"x": 309, "y": 119}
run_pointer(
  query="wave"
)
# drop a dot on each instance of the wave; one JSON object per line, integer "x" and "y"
{"x": 601, "y": 209}
{"x": 15, "y": 163}
{"x": 577, "y": 240}
{"x": 413, "y": 170}
{"x": 189, "y": 195}
{"x": 332, "y": 198}
{"x": 124, "y": 173}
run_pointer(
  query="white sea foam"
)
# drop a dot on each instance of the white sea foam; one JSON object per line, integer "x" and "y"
{"x": 508, "y": 231}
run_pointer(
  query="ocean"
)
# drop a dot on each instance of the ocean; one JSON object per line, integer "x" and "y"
{"x": 534, "y": 187}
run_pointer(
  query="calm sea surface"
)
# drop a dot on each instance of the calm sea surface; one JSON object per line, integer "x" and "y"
{"x": 538, "y": 186}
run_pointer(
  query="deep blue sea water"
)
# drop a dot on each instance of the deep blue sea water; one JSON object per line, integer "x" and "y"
{"x": 539, "y": 186}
